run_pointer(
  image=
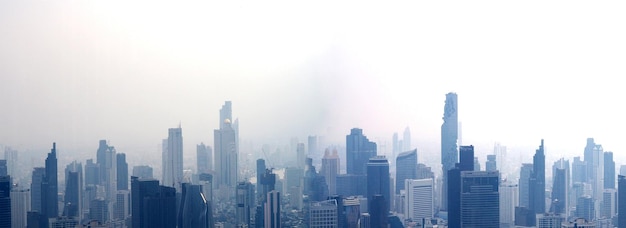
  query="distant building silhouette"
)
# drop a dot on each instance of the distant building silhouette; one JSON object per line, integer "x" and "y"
{"x": 152, "y": 205}
{"x": 358, "y": 152}
{"x": 490, "y": 164}
{"x": 609, "y": 171}
{"x": 20, "y": 205}
{"x": 621, "y": 200}
{"x": 524, "y": 185}
{"x": 122, "y": 172}
{"x": 204, "y": 158}
{"x": 260, "y": 171}
{"x": 173, "y": 159}
{"x": 537, "y": 182}
{"x": 330, "y": 170}
{"x": 585, "y": 208}
{"x": 406, "y": 168}
{"x": 35, "y": 189}
{"x": 245, "y": 204}
{"x": 272, "y": 210}
{"x": 449, "y": 139}
{"x": 226, "y": 148}
{"x": 50, "y": 188}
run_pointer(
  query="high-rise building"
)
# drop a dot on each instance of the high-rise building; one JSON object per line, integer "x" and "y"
{"x": 5, "y": 201}
{"x": 524, "y": 185}
{"x": 152, "y": 205}
{"x": 20, "y": 205}
{"x": 420, "y": 202}
{"x": 173, "y": 159}
{"x": 590, "y": 158}
{"x": 122, "y": 172}
{"x": 378, "y": 180}
{"x": 323, "y": 214}
{"x": 107, "y": 170}
{"x": 559, "y": 192}
{"x": 352, "y": 208}
{"x": 579, "y": 170}
{"x": 509, "y": 199}
{"x": 395, "y": 145}
{"x": 35, "y": 188}
{"x": 194, "y": 208}
{"x": 609, "y": 203}
{"x": 537, "y": 182}
{"x": 358, "y": 152}
{"x": 490, "y": 164}
{"x": 99, "y": 210}
{"x": 293, "y": 177}
{"x": 300, "y": 154}
{"x": 424, "y": 172}
{"x": 272, "y": 210}
{"x": 226, "y": 149}
{"x": 406, "y": 168}
{"x": 204, "y": 157}
{"x": 564, "y": 194}
{"x": 260, "y": 170}
{"x": 480, "y": 199}
{"x": 315, "y": 184}
{"x": 330, "y": 170}
{"x": 122, "y": 205}
{"x": 621, "y": 200}
{"x": 378, "y": 210}
{"x": 609, "y": 171}
{"x": 449, "y": 138}
{"x": 585, "y": 208}
{"x": 92, "y": 173}
{"x": 143, "y": 172}
{"x": 406, "y": 140}
{"x": 476, "y": 164}
{"x": 313, "y": 147}
{"x": 72, "y": 206}
{"x": 10, "y": 155}
{"x": 50, "y": 187}
{"x": 206, "y": 181}
{"x": 245, "y": 204}
{"x": 3, "y": 168}
{"x": 454, "y": 183}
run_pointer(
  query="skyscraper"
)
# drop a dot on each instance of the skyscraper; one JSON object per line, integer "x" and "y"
{"x": 524, "y": 185}
{"x": 20, "y": 205}
{"x": 173, "y": 159}
{"x": 323, "y": 214}
{"x": 585, "y": 208}
{"x": 378, "y": 208}
{"x": 378, "y": 181}
{"x": 122, "y": 172}
{"x": 50, "y": 186}
{"x": 92, "y": 173}
{"x": 260, "y": 170}
{"x": 300, "y": 155}
{"x": 579, "y": 170}
{"x": 330, "y": 170}
{"x": 419, "y": 199}
{"x": 226, "y": 149}
{"x": 490, "y": 164}
{"x": 245, "y": 204}
{"x": 152, "y": 205}
{"x": 272, "y": 210}
{"x": 406, "y": 168}
{"x": 449, "y": 137}
{"x": 480, "y": 199}
{"x": 35, "y": 188}
{"x": 3, "y": 168}
{"x": 194, "y": 208}
{"x": 509, "y": 199}
{"x": 204, "y": 156}
{"x": 143, "y": 171}
{"x": 395, "y": 146}
{"x": 206, "y": 181}
{"x": 406, "y": 139}
{"x": 559, "y": 192}
{"x": 72, "y": 207}
{"x": 10, "y": 155}
{"x": 454, "y": 182}
{"x": 5, "y": 201}
{"x": 358, "y": 151}
{"x": 609, "y": 171}
{"x": 537, "y": 182}
{"x": 621, "y": 200}
{"x": 313, "y": 147}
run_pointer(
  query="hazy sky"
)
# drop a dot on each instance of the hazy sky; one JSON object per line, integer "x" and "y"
{"x": 75, "y": 72}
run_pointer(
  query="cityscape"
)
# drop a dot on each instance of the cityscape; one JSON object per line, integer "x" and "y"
{"x": 241, "y": 114}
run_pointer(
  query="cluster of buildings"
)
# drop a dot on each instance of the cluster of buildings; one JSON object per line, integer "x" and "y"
{"x": 372, "y": 191}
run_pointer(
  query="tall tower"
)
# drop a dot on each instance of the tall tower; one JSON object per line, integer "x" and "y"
{"x": 204, "y": 157}
{"x": 50, "y": 186}
{"x": 406, "y": 139}
{"x": 524, "y": 185}
{"x": 5, "y": 201}
{"x": 378, "y": 181}
{"x": 449, "y": 137}
{"x": 226, "y": 149}
{"x": 330, "y": 170}
{"x": 173, "y": 159}
{"x": 406, "y": 168}
{"x": 537, "y": 182}
{"x": 193, "y": 211}
{"x": 20, "y": 205}
{"x": 609, "y": 171}
{"x": 245, "y": 203}
{"x": 272, "y": 210}
{"x": 509, "y": 199}
{"x": 122, "y": 172}
{"x": 621, "y": 200}
{"x": 35, "y": 189}
{"x": 358, "y": 151}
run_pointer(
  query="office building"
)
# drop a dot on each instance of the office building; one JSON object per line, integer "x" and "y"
{"x": 152, "y": 205}
{"x": 72, "y": 206}
{"x": 50, "y": 187}
{"x": 378, "y": 180}
{"x": 323, "y": 214}
{"x": 621, "y": 200}
{"x": 449, "y": 139}
{"x": 578, "y": 223}
{"x": 121, "y": 209}
{"x": 99, "y": 210}
{"x": 300, "y": 156}
{"x": 358, "y": 151}
{"x": 226, "y": 149}
{"x": 122, "y": 172}
{"x": 609, "y": 171}
{"x": 378, "y": 211}
{"x": 550, "y": 220}
{"x": 5, "y": 201}
{"x": 206, "y": 181}
{"x": 406, "y": 168}
{"x": 559, "y": 192}
{"x": 585, "y": 208}
{"x": 420, "y": 202}
{"x": 173, "y": 159}
{"x": 313, "y": 147}
{"x": 315, "y": 184}
{"x": 204, "y": 158}
{"x": 579, "y": 170}
{"x": 245, "y": 203}
{"x": 143, "y": 172}
{"x": 609, "y": 203}
{"x": 194, "y": 209}
{"x": 454, "y": 183}
{"x": 10, "y": 155}
{"x": 509, "y": 200}
{"x": 272, "y": 210}
{"x": 490, "y": 164}
{"x": 524, "y": 185}
{"x": 480, "y": 199}
{"x": 537, "y": 182}
{"x": 35, "y": 188}
{"x": 92, "y": 173}
{"x": 330, "y": 170}
{"x": 20, "y": 205}
{"x": 260, "y": 171}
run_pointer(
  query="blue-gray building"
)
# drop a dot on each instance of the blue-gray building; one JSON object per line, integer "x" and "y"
{"x": 449, "y": 139}
{"x": 406, "y": 168}
{"x": 537, "y": 182}
{"x": 358, "y": 152}
{"x": 378, "y": 181}
{"x": 480, "y": 199}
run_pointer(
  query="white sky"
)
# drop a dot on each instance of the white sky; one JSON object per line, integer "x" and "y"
{"x": 75, "y": 72}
